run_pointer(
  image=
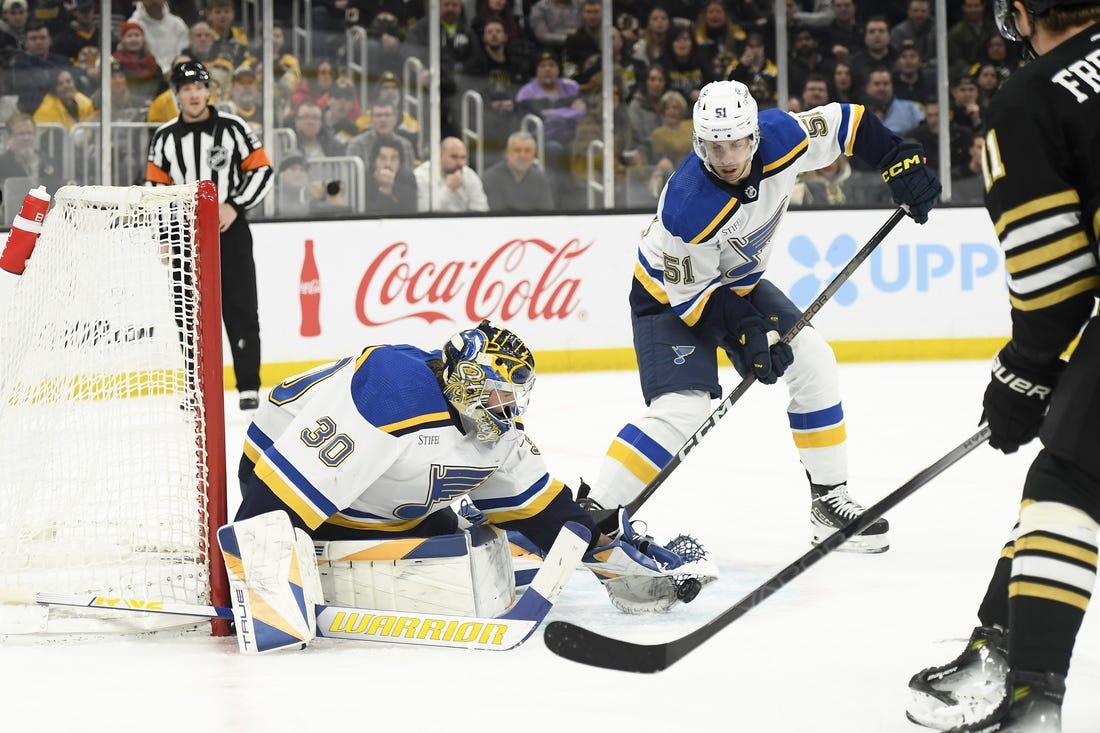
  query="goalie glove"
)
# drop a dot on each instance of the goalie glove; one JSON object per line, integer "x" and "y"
{"x": 641, "y": 576}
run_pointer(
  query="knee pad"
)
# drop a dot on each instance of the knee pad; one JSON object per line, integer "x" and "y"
{"x": 812, "y": 379}
{"x": 674, "y": 416}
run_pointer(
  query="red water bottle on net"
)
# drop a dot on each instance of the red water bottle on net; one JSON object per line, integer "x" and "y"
{"x": 309, "y": 294}
{"x": 25, "y": 231}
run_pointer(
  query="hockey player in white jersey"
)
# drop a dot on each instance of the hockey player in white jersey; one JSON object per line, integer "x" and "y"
{"x": 381, "y": 445}
{"x": 699, "y": 285}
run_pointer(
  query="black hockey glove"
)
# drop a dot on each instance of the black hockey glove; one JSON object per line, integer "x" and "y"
{"x": 1017, "y": 398}
{"x": 767, "y": 361}
{"x": 912, "y": 183}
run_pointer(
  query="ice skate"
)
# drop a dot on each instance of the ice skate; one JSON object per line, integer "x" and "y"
{"x": 832, "y": 509}
{"x": 1031, "y": 702}
{"x": 966, "y": 689}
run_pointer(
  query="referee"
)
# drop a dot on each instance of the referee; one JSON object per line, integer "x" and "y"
{"x": 205, "y": 144}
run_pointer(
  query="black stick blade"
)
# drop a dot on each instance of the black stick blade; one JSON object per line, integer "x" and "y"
{"x": 587, "y": 647}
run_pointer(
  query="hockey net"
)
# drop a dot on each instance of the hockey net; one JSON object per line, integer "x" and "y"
{"x": 112, "y": 440}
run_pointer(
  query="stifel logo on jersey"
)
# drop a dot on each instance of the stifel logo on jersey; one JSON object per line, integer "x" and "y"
{"x": 394, "y": 288}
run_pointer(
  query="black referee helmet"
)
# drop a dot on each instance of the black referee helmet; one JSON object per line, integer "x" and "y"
{"x": 186, "y": 72}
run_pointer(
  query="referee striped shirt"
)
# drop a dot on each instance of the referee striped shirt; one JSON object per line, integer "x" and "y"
{"x": 222, "y": 148}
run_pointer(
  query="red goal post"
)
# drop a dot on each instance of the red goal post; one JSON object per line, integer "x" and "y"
{"x": 112, "y": 424}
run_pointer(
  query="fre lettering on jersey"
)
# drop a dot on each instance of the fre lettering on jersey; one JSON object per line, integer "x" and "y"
{"x": 1085, "y": 70}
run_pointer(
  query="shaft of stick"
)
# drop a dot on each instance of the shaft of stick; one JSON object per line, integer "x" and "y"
{"x": 728, "y": 402}
{"x": 588, "y": 647}
{"x": 845, "y": 533}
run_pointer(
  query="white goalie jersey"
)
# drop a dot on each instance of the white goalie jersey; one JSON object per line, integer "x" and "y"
{"x": 386, "y": 451}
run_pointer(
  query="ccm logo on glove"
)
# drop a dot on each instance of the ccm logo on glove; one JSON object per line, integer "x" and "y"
{"x": 1018, "y": 384}
{"x": 901, "y": 166}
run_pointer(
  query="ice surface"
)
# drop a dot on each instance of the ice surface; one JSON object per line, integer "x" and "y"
{"x": 832, "y": 651}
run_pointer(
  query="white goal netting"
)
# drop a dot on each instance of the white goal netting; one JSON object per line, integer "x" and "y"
{"x": 111, "y": 456}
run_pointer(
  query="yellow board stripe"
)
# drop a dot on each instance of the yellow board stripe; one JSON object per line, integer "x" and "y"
{"x": 1048, "y": 593}
{"x": 821, "y": 438}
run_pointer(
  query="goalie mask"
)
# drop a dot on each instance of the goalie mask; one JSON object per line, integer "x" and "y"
{"x": 488, "y": 373}
{"x": 727, "y": 132}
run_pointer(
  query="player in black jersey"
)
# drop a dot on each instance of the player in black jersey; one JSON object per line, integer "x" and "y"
{"x": 1042, "y": 179}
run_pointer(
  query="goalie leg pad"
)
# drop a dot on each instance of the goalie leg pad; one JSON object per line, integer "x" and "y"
{"x": 273, "y": 582}
{"x": 465, "y": 574}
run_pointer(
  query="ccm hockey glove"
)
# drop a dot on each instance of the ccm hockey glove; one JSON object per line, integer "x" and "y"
{"x": 1017, "y": 398}
{"x": 761, "y": 350}
{"x": 911, "y": 181}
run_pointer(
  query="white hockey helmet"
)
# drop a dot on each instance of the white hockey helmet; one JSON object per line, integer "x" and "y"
{"x": 725, "y": 110}
{"x": 488, "y": 373}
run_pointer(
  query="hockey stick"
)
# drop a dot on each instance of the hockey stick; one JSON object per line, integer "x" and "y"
{"x": 506, "y": 631}
{"x": 604, "y": 517}
{"x": 587, "y": 647}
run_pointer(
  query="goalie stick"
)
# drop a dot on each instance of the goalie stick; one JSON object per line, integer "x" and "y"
{"x": 499, "y": 633}
{"x": 587, "y": 647}
{"x": 605, "y": 517}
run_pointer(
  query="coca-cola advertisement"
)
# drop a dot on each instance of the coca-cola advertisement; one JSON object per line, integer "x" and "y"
{"x": 562, "y": 285}
{"x": 562, "y": 282}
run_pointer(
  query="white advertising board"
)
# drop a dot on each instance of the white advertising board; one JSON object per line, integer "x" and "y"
{"x": 562, "y": 282}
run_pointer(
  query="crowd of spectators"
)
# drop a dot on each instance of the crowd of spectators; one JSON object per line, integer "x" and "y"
{"x": 525, "y": 58}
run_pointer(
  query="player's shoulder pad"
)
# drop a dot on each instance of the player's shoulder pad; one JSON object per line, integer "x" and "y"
{"x": 783, "y": 140}
{"x": 396, "y": 391}
{"x": 695, "y": 203}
